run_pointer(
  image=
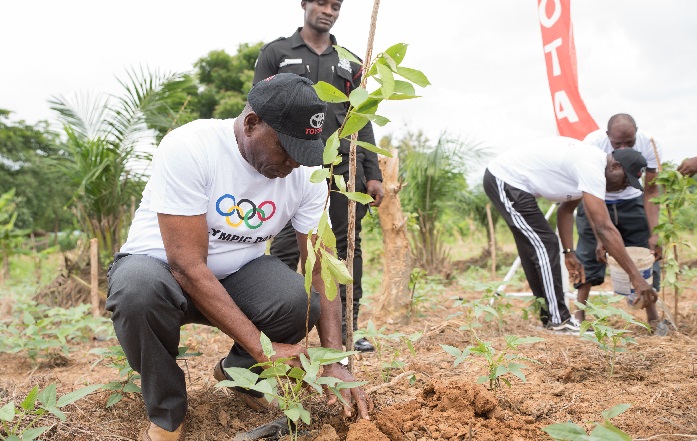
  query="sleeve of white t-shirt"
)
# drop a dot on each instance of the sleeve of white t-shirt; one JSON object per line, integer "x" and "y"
{"x": 591, "y": 177}
{"x": 179, "y": 178}
{"x": 311, "y": 207}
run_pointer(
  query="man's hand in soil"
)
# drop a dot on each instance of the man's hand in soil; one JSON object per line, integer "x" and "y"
{"x": 645, "y": 293}
{"x": 363, "y": 401}
{"x": 576, "y": 272}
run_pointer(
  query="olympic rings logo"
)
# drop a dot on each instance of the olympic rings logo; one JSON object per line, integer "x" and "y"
{"x": 249, "y": 208}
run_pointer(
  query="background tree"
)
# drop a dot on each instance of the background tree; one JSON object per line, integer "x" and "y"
{"x": 106, "y": 138}
{"x": 41, "y": 195}
{"x": 436, "y": 192}
{"x": 217, "y": 87}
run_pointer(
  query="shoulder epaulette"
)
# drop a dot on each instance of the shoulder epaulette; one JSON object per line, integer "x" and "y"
{"x": 272, "y": 42}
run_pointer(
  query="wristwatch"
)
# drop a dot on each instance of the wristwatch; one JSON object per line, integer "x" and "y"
{"x": 568, "y": 250}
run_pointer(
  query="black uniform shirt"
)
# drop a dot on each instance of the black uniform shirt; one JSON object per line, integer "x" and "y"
{"x": 294, "y": 55}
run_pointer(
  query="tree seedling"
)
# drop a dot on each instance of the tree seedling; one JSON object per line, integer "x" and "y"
{"x": 498, "y": 363}
{"x": 290, "y": 386}
{"x": 610, "y": 340}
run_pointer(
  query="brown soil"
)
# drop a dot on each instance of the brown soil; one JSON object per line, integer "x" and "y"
{"x": 568, "y": 381}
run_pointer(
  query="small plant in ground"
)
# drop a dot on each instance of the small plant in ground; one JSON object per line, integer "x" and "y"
{"x": 379, "y": 339}
{"x": 114, "y": 357}
{"x": 18, "y": 421}
{"x": 610, "y": 340}
{"x": 291, "y": 386}
{"x": 499, "y": 363}
{"x": 44, "y": 332}
{"x": 534, "y": 308}
{"x": 604, "y": 431}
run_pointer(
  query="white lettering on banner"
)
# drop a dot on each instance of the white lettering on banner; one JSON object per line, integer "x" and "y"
{"x": 551, "y": 48}
{"x": 548, "y": 22}
{"x": 563, "y": 107}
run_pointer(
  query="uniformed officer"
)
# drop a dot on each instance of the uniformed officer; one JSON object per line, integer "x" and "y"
{"x": 309, "y": 52}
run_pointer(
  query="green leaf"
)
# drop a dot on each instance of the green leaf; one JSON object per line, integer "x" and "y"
{"x": 344, "y": 53}
{"x": 387, "y": 88}
{"x": 608, "y": 432}
{"x": 76, "y": 395}
{"x": 566, "y": 431}
{"x": 319, "y": 175}
{"x": 354, "y": 123}
{"x": 293, "y": 414}
{"x": 325, "y": 233}
{"x": 451, "y": 350}
{"x": 330, "y": 288}
{"x": 615, "y": 410}
{"x": 113, "y": 399}
{"x": 57, "y": 412}
{"x": 33, "y": 433}
{"x": 413, "y": 75}
{"x": 30, "y": 401}
{"x": 28, "y": 319}
{"x": 337, "y": 268}
{"x": 325, "y": 356}
{"x": 340, "y": 182}
{"x": 377, "y": 119}
{"x": 278, "y": 370}
{"x": 48, "y": 395}
{"x": 327, "y": 92}
{"x": 131, "y": 388}
{"x": 358, "y": 96}
{"x": 296, "y": 373}
{"x": 267, "y": 346}
{"x": 357, "y": 196}
{"x": 331, "y": 148}
{"x": 309, "y": 264}
{"x": 374, "y": 148}
{"x": 482, "y": 379}
{"x": 404, "y": 88}
{"x": 305, "y": 416}
{"x": 397, "y": 52}
{"x": 7, "y": 412}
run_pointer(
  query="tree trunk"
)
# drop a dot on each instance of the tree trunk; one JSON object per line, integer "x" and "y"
{"x": 395, "y": 296}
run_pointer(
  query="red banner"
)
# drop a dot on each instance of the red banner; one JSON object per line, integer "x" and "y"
{"x": 573, "y": 120}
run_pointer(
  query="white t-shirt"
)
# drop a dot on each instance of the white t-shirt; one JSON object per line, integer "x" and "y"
{"x": 559, "y": 169}
{"x": 643, "y": 145}
{"x": 198, "y": 169}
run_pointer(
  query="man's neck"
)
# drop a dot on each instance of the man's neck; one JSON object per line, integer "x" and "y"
{"x": 317, "y": 41}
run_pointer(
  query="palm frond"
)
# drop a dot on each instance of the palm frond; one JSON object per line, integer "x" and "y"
{"x": 87, "y": 114}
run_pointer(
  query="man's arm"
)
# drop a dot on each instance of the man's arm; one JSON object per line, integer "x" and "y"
{"x": 652, "y": 209}
{"x": 613, "y": 243}
{"x": 565, "y": 225}
{"x": 186, "y": 244}
{"x": 329, "y": 329}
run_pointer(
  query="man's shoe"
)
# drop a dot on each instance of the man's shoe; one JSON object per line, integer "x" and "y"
{"x": 363, "y": 345}
{"x": 156, "y": 433}
{"x": 255, "y": 403}
{"x": 569, "y": 326}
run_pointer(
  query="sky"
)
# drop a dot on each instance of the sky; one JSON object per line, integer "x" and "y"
{"x": 484, "y": 58}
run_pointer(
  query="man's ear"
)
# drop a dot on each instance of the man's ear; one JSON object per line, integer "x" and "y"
{"x": 251, "y": 122}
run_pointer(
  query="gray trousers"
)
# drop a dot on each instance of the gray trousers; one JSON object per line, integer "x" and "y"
{"x": 148, "y": 308}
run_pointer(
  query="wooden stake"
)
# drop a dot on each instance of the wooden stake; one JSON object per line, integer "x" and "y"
{"x": 351, "y": 186}
{"x": 94, "y": 273}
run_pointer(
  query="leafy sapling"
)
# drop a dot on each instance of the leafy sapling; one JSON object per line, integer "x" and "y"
{"x": 498, "y": 363}
{"x": 610, "y": 340}
{"x": 290, "y": 386}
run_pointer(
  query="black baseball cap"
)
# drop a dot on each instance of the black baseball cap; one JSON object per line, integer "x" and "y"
{"x": 289, "y": 104}
{"x": 633, "y": 164}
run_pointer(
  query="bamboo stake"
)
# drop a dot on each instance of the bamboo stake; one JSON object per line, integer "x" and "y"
{"x": 94, "y": 274}
{"x": 351, "y": 187}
